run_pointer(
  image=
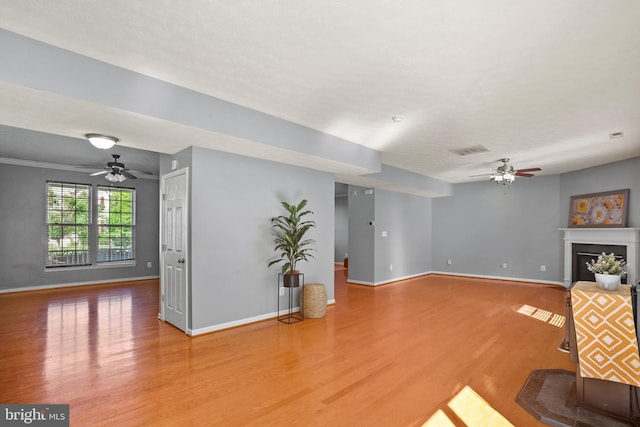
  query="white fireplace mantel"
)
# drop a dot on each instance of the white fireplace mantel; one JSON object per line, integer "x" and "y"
{"x": 602, "y": 236}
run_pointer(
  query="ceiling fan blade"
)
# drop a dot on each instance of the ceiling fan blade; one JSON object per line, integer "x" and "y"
{"x": 99, "y": 173}
{"x": 89, "y": 166}
{"x": 527, "y": 175}
{"x": 140, "y": 172}
{"x": 127, "y": 174}
{"x": 529, "y": 170}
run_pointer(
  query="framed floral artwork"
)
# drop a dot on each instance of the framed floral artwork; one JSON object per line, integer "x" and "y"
{"x": 606, "y": 209}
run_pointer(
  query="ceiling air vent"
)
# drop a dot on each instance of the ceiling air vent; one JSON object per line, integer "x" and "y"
{"x": 470, "y": 150}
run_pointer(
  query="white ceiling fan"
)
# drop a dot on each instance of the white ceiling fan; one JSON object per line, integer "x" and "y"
{"x": 506, "y": 174}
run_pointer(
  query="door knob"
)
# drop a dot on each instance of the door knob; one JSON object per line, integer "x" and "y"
{"x": 181, "y": 261}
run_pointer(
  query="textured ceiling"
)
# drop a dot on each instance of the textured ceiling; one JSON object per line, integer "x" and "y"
{"x": 542, "y": 82}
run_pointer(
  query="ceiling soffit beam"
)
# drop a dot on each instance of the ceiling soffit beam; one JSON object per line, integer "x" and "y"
{"x": 403, "y": 181}
{"x": 33, "y": 64}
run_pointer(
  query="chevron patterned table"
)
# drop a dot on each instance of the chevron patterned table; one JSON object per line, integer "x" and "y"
{"x": 605, "y": 333}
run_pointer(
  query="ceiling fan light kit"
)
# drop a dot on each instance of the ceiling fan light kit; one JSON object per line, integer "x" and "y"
{"x": 115, "y": 171}
{"x": 114, "y": 177}
{"x": 104, "y": 142}
{"x": 504, "y": 179}
{"x": 506, "y": 173}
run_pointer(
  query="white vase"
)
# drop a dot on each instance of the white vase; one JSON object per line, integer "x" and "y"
{"x": 608, "y": 282}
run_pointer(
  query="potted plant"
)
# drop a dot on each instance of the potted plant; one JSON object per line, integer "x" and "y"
{"x": 289, "y": 231}
{"x": 608, "y": 270}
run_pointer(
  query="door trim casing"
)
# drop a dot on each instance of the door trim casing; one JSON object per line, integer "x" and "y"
{"x": 163, "y": 179}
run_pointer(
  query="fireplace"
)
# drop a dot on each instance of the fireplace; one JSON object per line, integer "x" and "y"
{"x": 621, "y": 241}
{"x": 584, "y": 252}
{"x": 580, "y": 246}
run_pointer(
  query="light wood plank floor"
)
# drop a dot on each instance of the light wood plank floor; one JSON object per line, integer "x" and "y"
{"x": 394, "y": 355}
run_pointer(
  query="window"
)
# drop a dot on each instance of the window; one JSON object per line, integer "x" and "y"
{"x": 82, "y": 231}
{"x": 68, "y": 220}
{"x": 116, "y": 221}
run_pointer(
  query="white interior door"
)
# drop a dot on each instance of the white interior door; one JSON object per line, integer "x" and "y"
{"x": 174, "y": 249}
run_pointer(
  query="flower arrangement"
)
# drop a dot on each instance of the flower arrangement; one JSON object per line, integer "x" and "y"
{"x": 607, "y": 264}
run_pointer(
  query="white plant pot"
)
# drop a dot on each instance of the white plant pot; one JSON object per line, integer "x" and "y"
{"x": 608, "y": 282}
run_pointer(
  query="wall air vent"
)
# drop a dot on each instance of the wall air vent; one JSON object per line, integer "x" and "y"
{"x": 469, "y": 150}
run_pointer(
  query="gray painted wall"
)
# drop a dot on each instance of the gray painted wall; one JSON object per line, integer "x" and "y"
{"x": 23, "y": 233}
{"x": 361, "y": 235}
{"x": 480, "y": 227}
{"x": 233, "y": 199}
{"x": 614, "y": 176}
{"x": 406, "y": 219}
{"x": 341, "y": 234}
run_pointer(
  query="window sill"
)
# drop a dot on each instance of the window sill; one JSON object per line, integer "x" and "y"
{"x": 93, "y": 266}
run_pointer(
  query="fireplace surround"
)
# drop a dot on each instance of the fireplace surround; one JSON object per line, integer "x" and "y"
{"x": 623, "y": 237}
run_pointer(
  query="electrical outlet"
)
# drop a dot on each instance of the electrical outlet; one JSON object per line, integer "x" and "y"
{"x": 149, "y": 264}
{"x": 281, "y": 290}
{"x": 543, "y": 268}
{"x": 449, "y": 262}
{"x": 390, "y": 267}
{"x": 504, "y": 265}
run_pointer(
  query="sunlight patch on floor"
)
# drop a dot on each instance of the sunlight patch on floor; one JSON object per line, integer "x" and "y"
{"x": 475, "y": 411}
{"x": 439, "y": 419}
{"x": 542, "y": 315}
{"x": 471, "y": 409}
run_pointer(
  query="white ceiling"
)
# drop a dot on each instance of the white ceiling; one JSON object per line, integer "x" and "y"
{"x": 543, "y": 82}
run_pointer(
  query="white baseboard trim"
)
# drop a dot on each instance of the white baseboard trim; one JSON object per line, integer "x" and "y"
{"x": 449, "y": 273}
{"x": 235, "y": 323}
{"x": 360, "y": 282}
{"x": 69, "y": 285}
{"x": 512, "y": 279}
{"x": 384, "y": 282}
{"x": 242, "y": 322}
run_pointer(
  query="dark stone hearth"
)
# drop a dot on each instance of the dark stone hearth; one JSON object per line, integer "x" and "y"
{"x": 550, "y": 396}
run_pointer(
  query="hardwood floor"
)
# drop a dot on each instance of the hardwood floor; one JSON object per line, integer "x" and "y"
{"x": 394, "y": 355}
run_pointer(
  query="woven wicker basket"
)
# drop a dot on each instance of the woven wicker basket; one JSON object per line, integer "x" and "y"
{"x": 314, "y": 303}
